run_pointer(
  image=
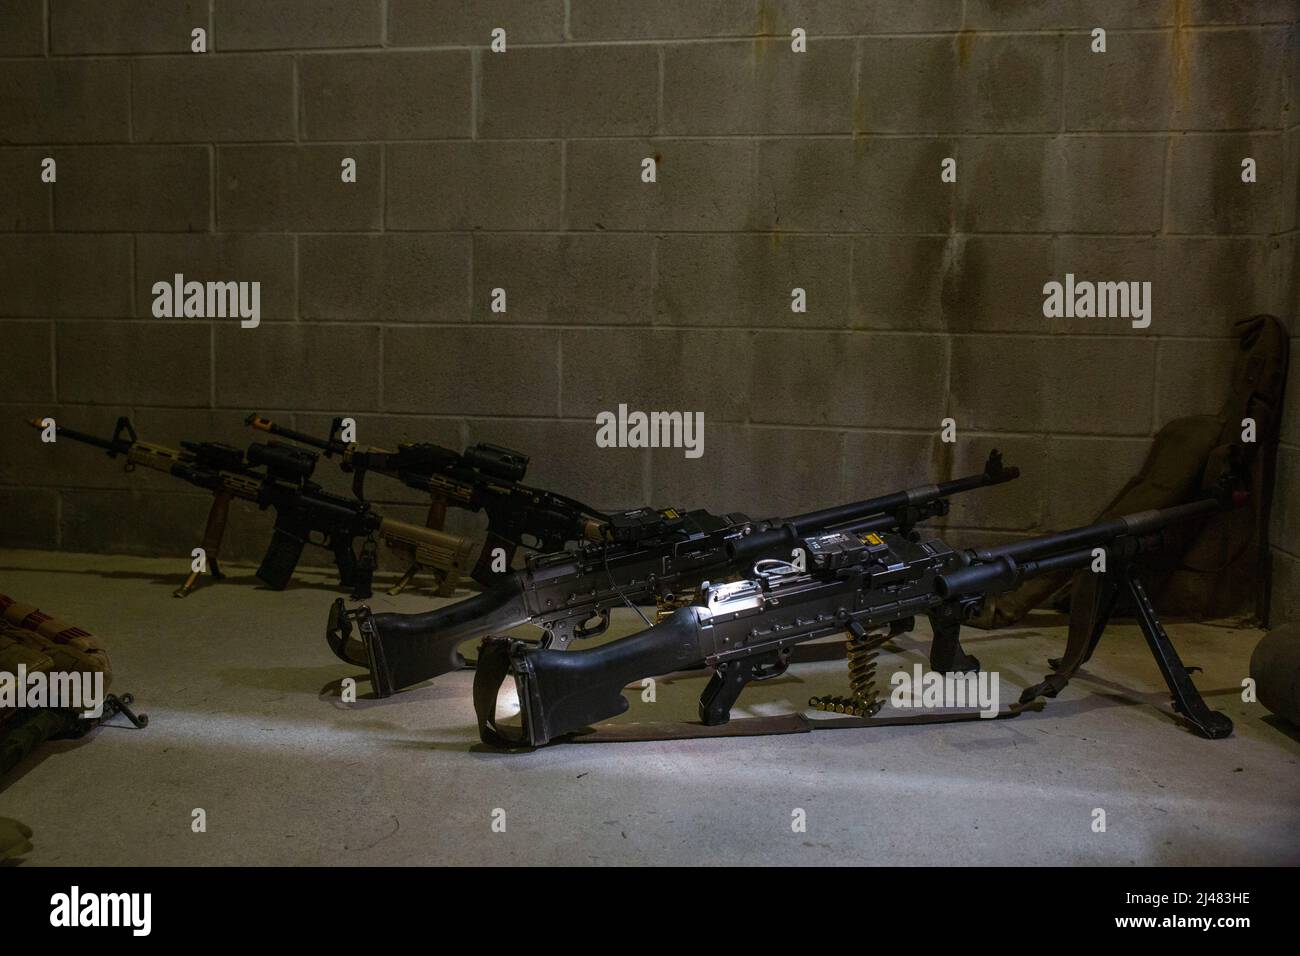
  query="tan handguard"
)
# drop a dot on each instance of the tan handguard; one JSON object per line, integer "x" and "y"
{"x": 447, "y": 555}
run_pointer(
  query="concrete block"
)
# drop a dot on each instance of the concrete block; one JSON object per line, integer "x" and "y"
{"x": 125, "y": 26}
{"x": 964, "y": 283}
{"x": 65, "y": 101}
{"x": 899, "y": 281}
{"x": 1106, "y": 391}
{"x": 860, "y": 16}
{"x": 29, "y": 362}
{"x": 297, "y": 188}
{"x": 133, "y": 188}
{"x": 45, "y": 275}
{"x": 635, "y": 20}
{"x": 1291, "y": 180}
{"x": 1206, "y": 193}
{"x": 218, "y": 258}
{"x": 22, "y": 28}
{"x": 132, "y": 521}
{"x": 1192, "y": 377}
{"x": 298, "y": 366}
{"x": 1286, "y": 588}
{"x": 424, "y": 371}
{"x": 564, "y": 458}
{"x": 568, "y": 278}
{"x": 389, "y": 95}
{"x": 1290, "y": 430}
{"x": 1234, "y": 78}
{"x": 448, "y": 22}
{"x": 146, "y": 363}
{"x": 656, "y": 370}
{"x": 862, "y": 380}
{"x": 994, "y": 283}
{"x": 1284, "y": 520}
{"x": 959, "y": 83}
{"x": 296, "y": 24}
{"x": 31, "y": 518}
{"x": 385, "y": 278}
{"x": 480, "y": 185}
{"x": 1228, "y": 12}
{"x": 1067, "y": 184}
{"x": 26, "y": 203}
{"x": 201, "y": 99}
{"x": 1066, "y": 14}
{"x": 1108, "y": 184}
{"x": 569, "y": 91}
{"x": 1005, "y": 184}
{"x": 769, "y": 472}
{"x": 701, "y": 185}
{"x": 748, "y": 279}
{"x": 758, "y": 86}
{"x": 1083, "y": 475}
{"x": 869, "y": 184}
{"x": 1129, "y": 87}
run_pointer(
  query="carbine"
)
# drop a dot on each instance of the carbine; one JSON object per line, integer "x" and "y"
{"x": 664, "y": 556}
{"x": 305, "y": 512}
{"x": 483, "y": 478}
{"x": 870, "y": 585}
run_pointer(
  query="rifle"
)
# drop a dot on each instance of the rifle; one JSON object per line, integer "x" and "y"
{"x": 483, "y": 478}
{"x": 660, "y": 555}
{"x": 305, "y": 512}
{"x": 870, "y": 585}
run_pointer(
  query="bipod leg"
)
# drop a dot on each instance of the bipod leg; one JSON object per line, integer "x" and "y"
{"x": 1187, "y": 700}
{"x": 213, "y": 534}
{"x": 407, "y": 576}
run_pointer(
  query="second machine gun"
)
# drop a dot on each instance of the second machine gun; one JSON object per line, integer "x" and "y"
{"x": 660, "y": 556}
{"x": 483, "y": 478}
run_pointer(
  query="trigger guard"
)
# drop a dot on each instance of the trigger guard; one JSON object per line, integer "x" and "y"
{"x": 599, "y": 628}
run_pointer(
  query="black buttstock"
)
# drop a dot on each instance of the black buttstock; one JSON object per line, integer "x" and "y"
{"x": 561, "y": 692}
{"x": 408, "y": 649}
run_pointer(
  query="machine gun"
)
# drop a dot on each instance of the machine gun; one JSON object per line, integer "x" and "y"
{"x": 305, "y": 512}
{"x": 647, "y": 555}
{"x": 868, "y": 584}
{"x": 483, "y": 478}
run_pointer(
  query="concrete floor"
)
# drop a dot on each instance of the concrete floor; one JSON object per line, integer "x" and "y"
{"x": 246, "y": 724}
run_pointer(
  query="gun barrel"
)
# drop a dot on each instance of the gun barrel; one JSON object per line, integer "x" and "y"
{"x": 255, "y": 420}
{"x": 1139, "y": 523}
{"x": 109, "y": 445}
{"x": 1005, "y": 566}
{"x": 764, "y": 543}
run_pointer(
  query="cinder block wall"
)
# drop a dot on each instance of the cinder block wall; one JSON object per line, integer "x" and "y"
{"x": 521, "y": 171}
